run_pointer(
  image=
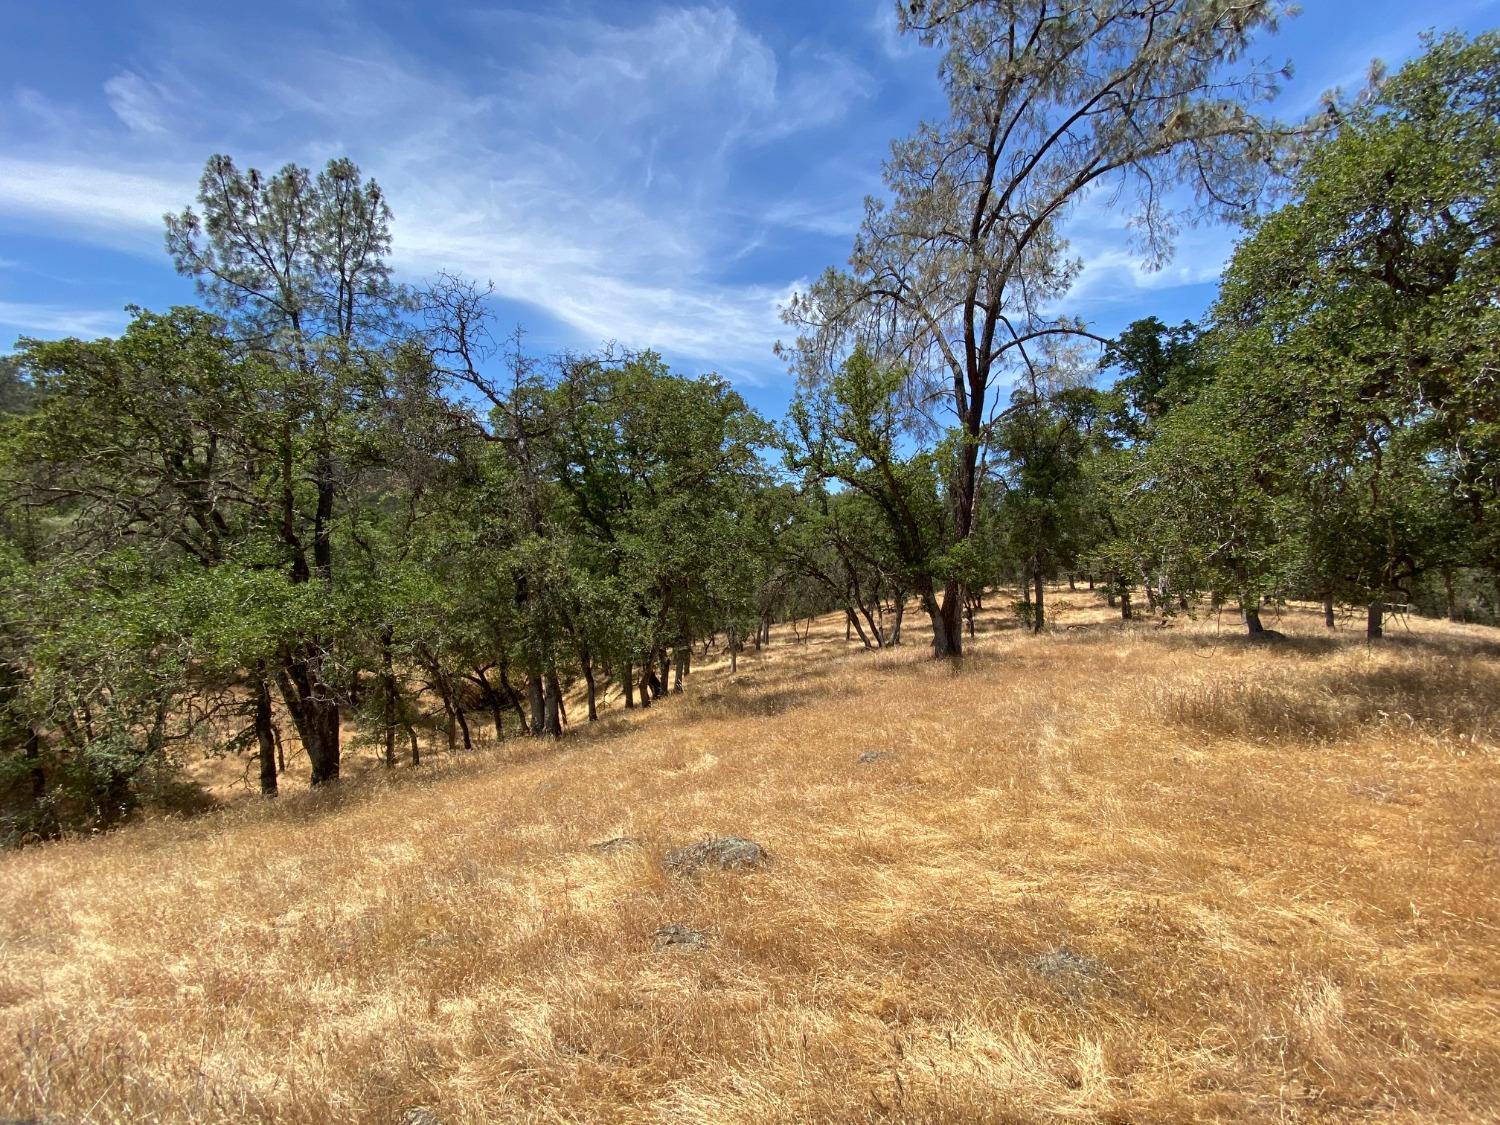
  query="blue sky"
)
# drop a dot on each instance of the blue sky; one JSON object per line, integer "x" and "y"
{"x": 652, "y": 174}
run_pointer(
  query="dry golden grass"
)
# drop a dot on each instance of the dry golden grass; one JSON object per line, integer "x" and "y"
{"x": 1105, "y": 874}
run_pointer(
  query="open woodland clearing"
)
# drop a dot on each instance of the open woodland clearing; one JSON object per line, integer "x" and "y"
{"x": 650, "y": 755}
{"x": 1142, "y": 875}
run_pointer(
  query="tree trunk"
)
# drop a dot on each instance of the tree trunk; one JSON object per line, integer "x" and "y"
{"x": 315, "y": 714}
{"x": 1125, "y": 613}
{"x": 1375, "y": 621}
{"x": 678, "y": 663}
{"x": 1039, "y": 610}
{"x": 492, "y": 700}
{"x": 628, "y": 686}
{"x": 588, "y": 680}
{"x": 552, "y": 724}
{"x": 1091, "y": 581}
{"x": 851, "y": 623}
{"x": 463, "y": 721}
{"x": 948, "y": 629}
{"x": 900, "y": 613}
{"x": 1250, "y": 611}
{"x": 416, "y": 747}
{"x": 536, "y": 703}
{"x": 645, "y": 683}
{"x": 664, "y": 664}
{"x": 1448, "y": 594}
{"x": 1072, "y": 582}
{"x": 1328, "y": 619}
{"x": 389, "y": 700}
{"x": 264, "y": 738}
{"x": 43, "y": 820}
{"x": 734, "y": 650}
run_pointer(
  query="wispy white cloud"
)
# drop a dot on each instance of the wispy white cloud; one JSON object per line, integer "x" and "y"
{"x": 119, "y": 207}
{"x": 141, "y": 105}
{"x": 55, "y": 320}
{"x": 593, "y": 169}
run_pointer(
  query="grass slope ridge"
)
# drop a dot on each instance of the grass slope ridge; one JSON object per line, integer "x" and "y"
{"x": 1102, "y": 874}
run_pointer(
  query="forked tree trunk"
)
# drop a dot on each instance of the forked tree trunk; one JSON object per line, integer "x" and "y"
{"x": 664, "y": 672}
{"x": 315, "y": 714}
{"x": 851, "y": 624}
{"x": 947, "y": 621}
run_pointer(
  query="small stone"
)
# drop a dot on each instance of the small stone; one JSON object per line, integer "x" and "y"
{"x": 1063, "y": 962}
{"x": 870, "y": 757}
{"x": 679, "y": 937}
{"x": 724, "y": 852}
{"x": 421, "y": 1115}
{"x": 438, "y": 939}
{"x": 615, "y": 846}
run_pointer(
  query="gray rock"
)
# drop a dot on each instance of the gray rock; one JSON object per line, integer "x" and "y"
{"x": 615, "y": 846}
{"x": 724, "y": 852}
{"x": 438, "y": 939}
{"x": 681, "y": 938}
{"x": 870, "y": 757}
{"x": 1069, "y": 970}
{"x": 421, "y": 1115}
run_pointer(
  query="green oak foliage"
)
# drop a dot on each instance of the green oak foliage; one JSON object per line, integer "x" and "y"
{"x": 1360, "y": 324}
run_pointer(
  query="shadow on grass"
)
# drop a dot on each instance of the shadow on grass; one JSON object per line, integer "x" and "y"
{"x": 1441, "y": 693}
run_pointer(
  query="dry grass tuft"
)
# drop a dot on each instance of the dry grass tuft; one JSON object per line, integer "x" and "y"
{"x": 1108, "y": 874}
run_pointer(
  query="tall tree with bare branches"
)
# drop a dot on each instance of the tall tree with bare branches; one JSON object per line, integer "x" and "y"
{"x": 1140, "y": 105}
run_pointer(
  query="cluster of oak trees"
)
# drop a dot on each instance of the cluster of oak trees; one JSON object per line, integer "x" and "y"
{"x": 327, "y": 505}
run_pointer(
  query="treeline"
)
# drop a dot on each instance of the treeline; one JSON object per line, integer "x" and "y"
{"x": 327, "y": 505}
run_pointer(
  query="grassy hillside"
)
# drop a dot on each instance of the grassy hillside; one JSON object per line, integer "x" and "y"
{"x": 1118, "y": 874}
